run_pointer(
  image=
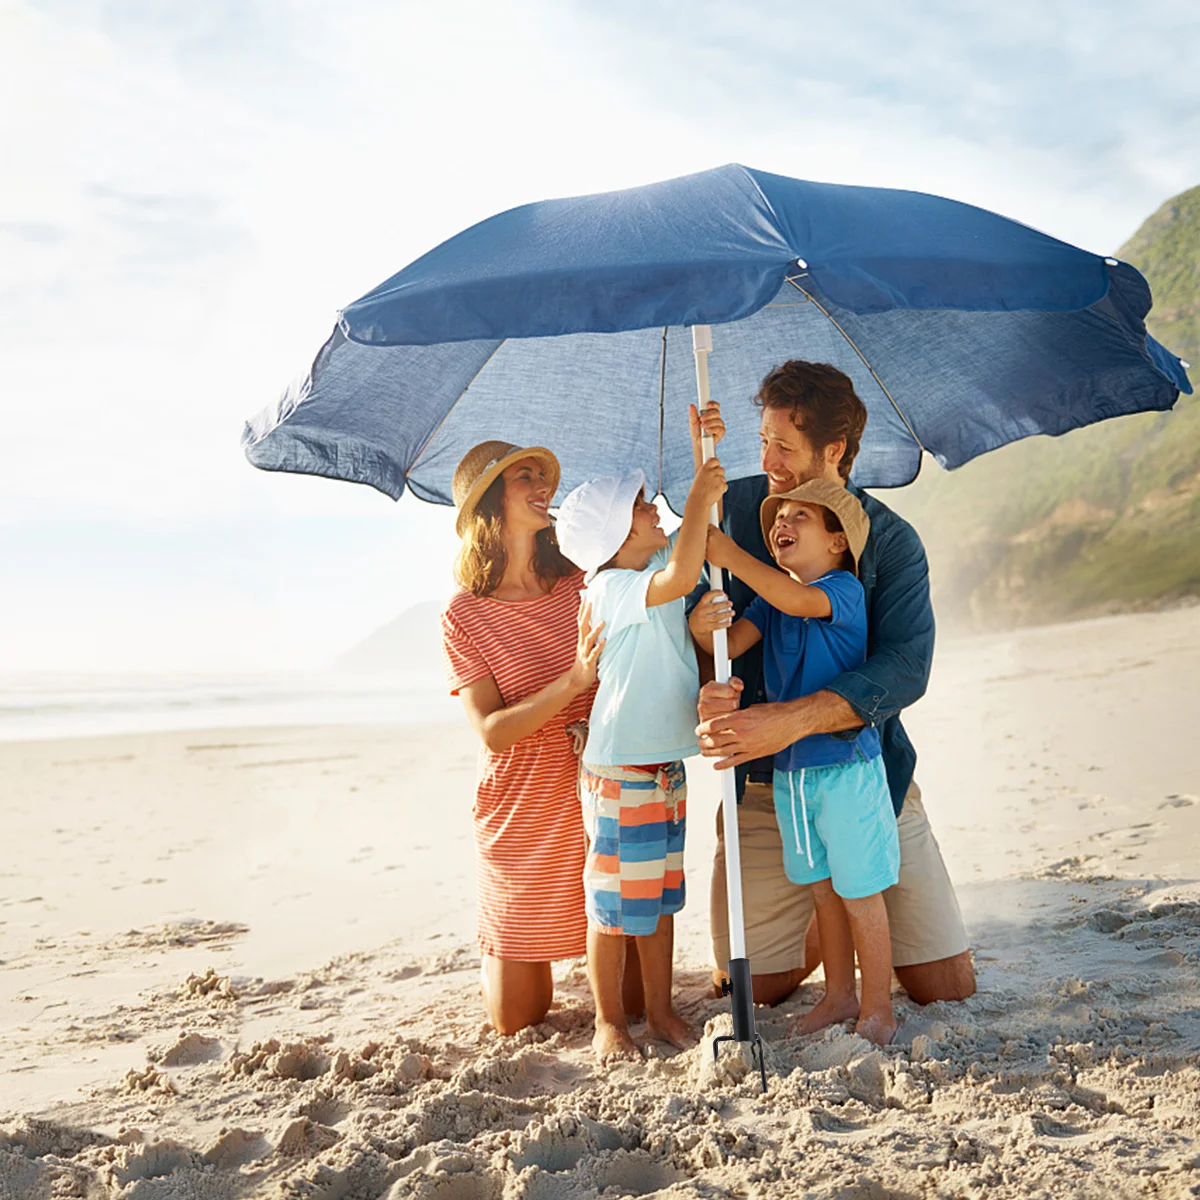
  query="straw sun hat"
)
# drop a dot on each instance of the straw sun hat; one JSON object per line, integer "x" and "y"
{"x": 482, "y": 465}
{"x": 844, "y": 505}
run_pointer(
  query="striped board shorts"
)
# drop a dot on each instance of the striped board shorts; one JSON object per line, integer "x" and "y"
{"x": 635, "y": 822}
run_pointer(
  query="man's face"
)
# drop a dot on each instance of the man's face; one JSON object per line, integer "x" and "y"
{"x": 788, "y": 458}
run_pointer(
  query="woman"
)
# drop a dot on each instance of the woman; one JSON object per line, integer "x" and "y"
{"x": 523, "y": 658}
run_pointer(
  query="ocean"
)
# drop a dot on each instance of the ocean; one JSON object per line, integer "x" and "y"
{"x": 37, "y": 706}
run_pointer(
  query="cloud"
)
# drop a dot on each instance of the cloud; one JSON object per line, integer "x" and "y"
{"x": 200, "y": 187}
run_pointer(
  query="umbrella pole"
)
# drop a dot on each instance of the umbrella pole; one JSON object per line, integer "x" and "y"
{"x": 739, "y": 986}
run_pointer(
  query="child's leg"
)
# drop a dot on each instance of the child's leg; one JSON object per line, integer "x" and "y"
{"x": 632, "y": 994}
{"x": 606, "y": 966}
{"x": 657, "y": 952}
{"x": 837, "y": 949}
{"x": 873, "y": 944}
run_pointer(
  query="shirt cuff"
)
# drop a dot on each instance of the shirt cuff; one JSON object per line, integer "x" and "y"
{"x": 868, "y": 698}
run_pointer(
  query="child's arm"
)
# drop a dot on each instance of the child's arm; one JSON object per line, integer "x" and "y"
{"x": 699, "y": 423}
{"x": 776, "y": 587}
{"x": 679, "y": 576}
{"x": 707, "y": 422}
{"x": 713, "y": 612}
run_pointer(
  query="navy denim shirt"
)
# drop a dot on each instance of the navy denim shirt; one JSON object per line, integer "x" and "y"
{"x": 895, "y": 578}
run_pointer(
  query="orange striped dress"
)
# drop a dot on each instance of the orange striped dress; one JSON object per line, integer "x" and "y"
{"x": 529, "y": 838}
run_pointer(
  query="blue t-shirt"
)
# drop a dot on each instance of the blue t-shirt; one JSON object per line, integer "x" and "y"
{"x": 645, "y": 707}
{"x": 802, "y": 655}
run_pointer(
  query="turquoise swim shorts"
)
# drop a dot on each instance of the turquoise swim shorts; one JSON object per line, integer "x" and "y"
{"x": 837, "y": 823}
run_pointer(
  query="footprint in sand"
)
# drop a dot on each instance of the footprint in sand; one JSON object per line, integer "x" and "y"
{"x": 1180, "y": 800}
{"x": 1136, "y": 834}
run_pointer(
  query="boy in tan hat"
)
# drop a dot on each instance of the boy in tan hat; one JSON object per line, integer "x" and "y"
{"x": 831, "y": 793}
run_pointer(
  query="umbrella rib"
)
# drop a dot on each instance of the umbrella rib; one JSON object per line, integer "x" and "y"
{"x": 850, "y": 342}
{"x": 438, "y": 427}
{"x": 662, "y": 387}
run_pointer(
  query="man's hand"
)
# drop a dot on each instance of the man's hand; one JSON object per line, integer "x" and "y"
{"x": 718, "y": 699}
{"x": 733, "y": 735}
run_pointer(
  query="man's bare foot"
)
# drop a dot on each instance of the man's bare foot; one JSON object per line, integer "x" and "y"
{"x": 672, "y": 1028}
{"x": 829, "y": 1010}
{"x": 612, "y": 1044}
{"x": 879, "y": 1028}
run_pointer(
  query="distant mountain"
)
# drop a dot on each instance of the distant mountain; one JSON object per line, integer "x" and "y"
{"x": 1104, "y": 519}
{"x": 411, "y": 645}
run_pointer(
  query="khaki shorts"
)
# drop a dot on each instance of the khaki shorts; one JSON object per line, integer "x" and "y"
{"x": 923, "y": 913}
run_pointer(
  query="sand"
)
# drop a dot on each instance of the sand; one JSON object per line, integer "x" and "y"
{"x": 241, "y": 963}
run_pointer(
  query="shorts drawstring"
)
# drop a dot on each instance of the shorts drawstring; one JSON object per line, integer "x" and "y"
{"x": 803, "y": 814}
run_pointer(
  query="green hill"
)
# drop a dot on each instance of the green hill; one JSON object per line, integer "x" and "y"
{"x": 1105, "y": 519}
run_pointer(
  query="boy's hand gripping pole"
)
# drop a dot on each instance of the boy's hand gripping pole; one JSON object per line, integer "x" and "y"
{"x": 739, "y": 986}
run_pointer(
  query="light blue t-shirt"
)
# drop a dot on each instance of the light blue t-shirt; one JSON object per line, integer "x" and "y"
{"x": 802, "y": 655}
{"x": 645, "y": 707}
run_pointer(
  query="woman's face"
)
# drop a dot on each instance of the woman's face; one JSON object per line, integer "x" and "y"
{"x": 527, "y": 495}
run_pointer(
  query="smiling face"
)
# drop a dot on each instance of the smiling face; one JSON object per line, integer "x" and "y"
{"x": 788, "y": 457}
{"x": 527, "y": 493}
{"x": 801, "y": 543}
{"x": 645, "y": 536}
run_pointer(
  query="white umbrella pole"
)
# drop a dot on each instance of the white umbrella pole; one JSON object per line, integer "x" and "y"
{"x": 741, "y": 988}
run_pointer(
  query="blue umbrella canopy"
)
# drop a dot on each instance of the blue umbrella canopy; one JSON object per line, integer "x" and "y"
{"x": 565, "y": 323}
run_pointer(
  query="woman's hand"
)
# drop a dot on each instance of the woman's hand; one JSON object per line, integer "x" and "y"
{"x": 582, "y": 673}
{"x": 713, "y": 611}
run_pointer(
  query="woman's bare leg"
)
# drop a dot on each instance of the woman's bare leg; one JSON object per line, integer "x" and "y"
{"x": 606, "y": 966}
{"x": 516, "y": 994}
{"x": 873, "y": 944}
{"x": 657, "y": 952}
{"x": 837, "y": 948}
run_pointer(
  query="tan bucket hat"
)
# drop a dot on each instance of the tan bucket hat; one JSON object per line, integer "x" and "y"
{"x": 844, "y": 505}
{"x": 483, "y": 463}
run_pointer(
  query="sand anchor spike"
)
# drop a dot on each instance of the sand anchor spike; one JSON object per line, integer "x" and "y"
{"x": 739, "y": 986}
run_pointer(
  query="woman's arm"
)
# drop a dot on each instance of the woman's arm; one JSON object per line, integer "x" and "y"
{"x": 776, "y": 587}
{"x": 502, "y": 726}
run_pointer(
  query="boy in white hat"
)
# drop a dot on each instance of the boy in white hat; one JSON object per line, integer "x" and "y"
{"x": 831, "y": 793}
{"x": 642, "y": 724}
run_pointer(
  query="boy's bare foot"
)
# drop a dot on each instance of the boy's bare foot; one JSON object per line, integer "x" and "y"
{"x": 829, "y": 1010}
{"x": 672, "y": 1028}
{"x": 612, "y": 1044}
{"x": 879, "y": 1028}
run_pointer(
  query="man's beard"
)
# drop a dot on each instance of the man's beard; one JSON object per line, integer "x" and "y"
{"x": 814, "y": 469}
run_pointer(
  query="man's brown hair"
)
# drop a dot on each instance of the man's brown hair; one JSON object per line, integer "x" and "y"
{"x": 821, "y": 402}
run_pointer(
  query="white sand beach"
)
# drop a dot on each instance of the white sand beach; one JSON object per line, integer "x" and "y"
{"x": 240, "y": 962}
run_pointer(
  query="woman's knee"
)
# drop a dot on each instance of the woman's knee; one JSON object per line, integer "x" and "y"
{"x": 516, "y": 994}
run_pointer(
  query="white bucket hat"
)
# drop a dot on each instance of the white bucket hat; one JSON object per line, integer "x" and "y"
{"x": 595, "y": 519}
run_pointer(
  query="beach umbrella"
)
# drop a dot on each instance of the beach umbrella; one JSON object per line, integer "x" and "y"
{"x": 569, "y": 323}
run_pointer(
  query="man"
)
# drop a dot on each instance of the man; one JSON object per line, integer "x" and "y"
{"x": 812, "y": 422}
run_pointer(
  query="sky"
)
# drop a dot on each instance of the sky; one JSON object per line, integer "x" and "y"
{"x": 190, "y": 192}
